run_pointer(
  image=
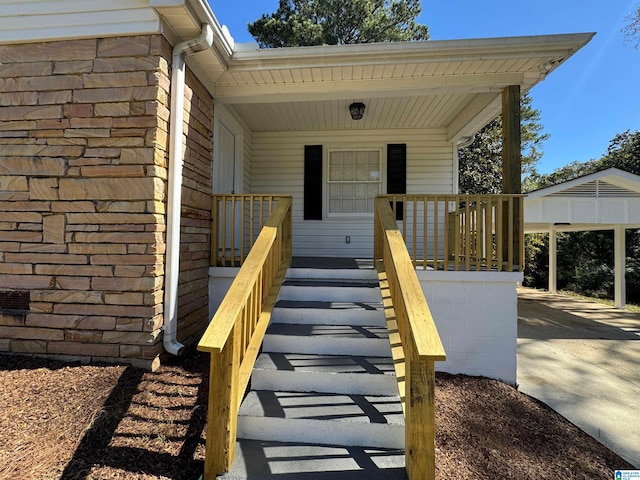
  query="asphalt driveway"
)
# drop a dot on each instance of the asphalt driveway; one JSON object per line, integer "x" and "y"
{"x": 583, "y": 360}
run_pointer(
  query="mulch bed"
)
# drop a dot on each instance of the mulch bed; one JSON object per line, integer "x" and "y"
{"x": 103, "y": 422}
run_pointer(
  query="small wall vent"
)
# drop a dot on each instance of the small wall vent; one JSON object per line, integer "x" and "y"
{"x": 13, "y": 301}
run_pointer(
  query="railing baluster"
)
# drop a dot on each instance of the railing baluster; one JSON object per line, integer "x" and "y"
{"x": 425, "y": 237}
{"x": 467, "y": 235}
{"x": 414, "y": 206}
{"x": 499, "y": 236}
{"x": 436, "y": 235}
{"x": 488, "y": 244}
{"x": 223, "y": 234}
{"x": 479, "y": 236}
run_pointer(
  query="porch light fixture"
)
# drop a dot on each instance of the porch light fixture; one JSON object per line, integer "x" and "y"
{"x": 356, "y": 110}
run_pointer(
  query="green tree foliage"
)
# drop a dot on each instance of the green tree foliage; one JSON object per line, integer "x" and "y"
{"x": 480, "y": 163}
{"x": 336, "y": 22}
{"x": 623, "y": 153}
{"x": 632, "y": 29}
{"x": 585, "y": 259}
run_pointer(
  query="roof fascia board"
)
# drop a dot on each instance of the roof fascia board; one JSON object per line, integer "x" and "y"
{"x": 557, "y": 47}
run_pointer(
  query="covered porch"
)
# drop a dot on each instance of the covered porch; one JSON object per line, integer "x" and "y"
{"x": 283, "y": 125}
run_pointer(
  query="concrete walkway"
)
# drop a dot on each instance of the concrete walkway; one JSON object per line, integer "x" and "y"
{"x": 583, "y": 359}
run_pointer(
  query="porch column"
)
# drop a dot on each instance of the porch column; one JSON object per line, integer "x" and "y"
{"x": 619, "y": 266}
{"x": 553, "y": 261}
{"x": 512, "y": 161}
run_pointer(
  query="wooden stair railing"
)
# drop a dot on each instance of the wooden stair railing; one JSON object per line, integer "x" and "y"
{"x": 410, "y": 322}
{"x": 237, "y": 221}
{"x": 236, "y": 331}
{"x": 462, "y": 232}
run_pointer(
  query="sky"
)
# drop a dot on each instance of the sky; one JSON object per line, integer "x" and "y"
{"x": 584, "y": 103}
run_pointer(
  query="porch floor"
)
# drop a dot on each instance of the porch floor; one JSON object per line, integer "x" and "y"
{"x": 339, "y": 263}
{"x": 329, "y": 263}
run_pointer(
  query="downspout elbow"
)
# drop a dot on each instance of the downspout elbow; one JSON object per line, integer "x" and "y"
{"x": 174, "y": 190}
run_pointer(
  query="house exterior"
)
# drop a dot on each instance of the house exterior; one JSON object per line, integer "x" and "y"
{"x": 119, "y": 122}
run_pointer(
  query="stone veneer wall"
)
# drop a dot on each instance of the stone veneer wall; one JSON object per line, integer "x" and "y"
{"x": 83, "y": 156}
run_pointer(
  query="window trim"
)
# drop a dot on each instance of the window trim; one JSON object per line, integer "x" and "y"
{"x": 382, "y": 181}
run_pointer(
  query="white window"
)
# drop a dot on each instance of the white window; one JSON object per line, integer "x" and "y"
{"x": 354, "y": 179}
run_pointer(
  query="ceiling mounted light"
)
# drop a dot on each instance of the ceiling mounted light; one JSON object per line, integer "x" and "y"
{"x": 356, "y": 110}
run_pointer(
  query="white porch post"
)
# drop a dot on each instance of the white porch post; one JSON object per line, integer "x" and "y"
{"x": 553, "y": 264}
{"x": 619, "y": 267}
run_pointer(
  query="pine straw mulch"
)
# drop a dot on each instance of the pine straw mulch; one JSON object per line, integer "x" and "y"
{"x": 104, "y": 422}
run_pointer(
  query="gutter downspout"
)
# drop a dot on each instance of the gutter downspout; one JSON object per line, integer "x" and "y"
{"x": 174, "y": 193}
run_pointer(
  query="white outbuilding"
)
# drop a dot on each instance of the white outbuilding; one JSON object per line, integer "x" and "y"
{"x": 605, "y": 200}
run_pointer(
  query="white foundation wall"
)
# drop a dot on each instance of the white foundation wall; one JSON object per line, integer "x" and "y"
{"x": 476, "y": 314}
{"x": 220, "y": 279}
{"x": 277, "y": 166}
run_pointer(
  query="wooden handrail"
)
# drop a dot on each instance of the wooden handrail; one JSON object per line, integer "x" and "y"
{"x": 463, "y": 232}
{"x": 420, "y": 345}
{"x": 237, "y": 221}
{"x": 237, "y": 329}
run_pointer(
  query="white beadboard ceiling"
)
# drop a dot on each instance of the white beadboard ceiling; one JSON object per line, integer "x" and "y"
{"x": 388, "y": 112}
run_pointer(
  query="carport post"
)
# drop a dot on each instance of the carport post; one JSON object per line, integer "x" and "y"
{"x": 553, "y": 261}
{"x": 619, "y": 267}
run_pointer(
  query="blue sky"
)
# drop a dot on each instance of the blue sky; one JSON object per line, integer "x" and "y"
{"x": 584, "y": 104}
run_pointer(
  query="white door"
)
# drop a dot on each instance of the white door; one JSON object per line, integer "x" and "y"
{"x": 226, "y": 181}
{"x": 226, "y": 172}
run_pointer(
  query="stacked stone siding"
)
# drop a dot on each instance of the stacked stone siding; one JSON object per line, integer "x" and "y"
{"x": 193, "y": 288}
{"x": 83, "y": 157}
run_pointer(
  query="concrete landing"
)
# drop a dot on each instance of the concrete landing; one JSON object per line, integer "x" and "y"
{"x": 582, "y": 359}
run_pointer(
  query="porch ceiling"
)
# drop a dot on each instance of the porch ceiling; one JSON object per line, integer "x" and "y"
{"x": 388, "y": 112}
{"x": 452, "y": 84}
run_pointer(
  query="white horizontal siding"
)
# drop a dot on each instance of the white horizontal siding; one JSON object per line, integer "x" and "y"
{"x": 246, "y": 166}
{"x": 277, "y": 166}
{"x": 42, "y": 20}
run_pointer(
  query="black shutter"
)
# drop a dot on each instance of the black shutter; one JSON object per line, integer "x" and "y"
{"x": 313, "y": 182}
{"x": 397, "y": 173}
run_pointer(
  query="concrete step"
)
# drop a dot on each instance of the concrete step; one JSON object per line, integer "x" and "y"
{"x": 327, "y": 419}
{"x": 365, "y": 341}
{"x": 330, "y": 290}
{"x": 325, "y": 373}
{"x": 265, "y": 460}
{"x": 329, "y": 313}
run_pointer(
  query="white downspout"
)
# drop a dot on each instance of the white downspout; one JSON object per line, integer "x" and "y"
{"x": 174, "y": 193}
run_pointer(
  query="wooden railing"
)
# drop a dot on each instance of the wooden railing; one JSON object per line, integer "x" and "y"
{"x": 416, "y": 345}
{"x": 462, "y": 232}
{"x": 236, "y": 331}
{"x": 237, "y": 221}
